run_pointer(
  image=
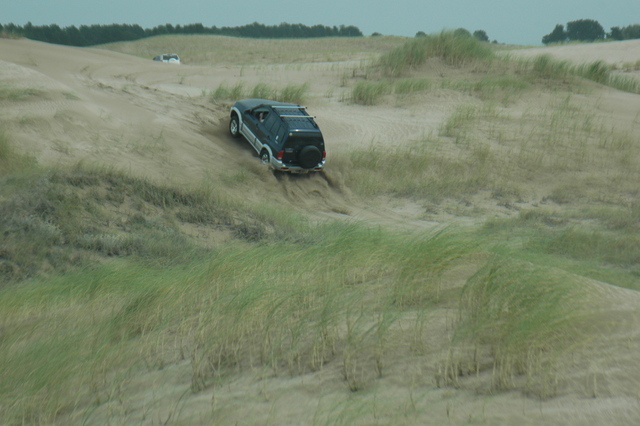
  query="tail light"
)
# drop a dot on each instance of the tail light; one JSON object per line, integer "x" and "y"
{"x": 280, "y": 155}
{"x": 324, "y": 155}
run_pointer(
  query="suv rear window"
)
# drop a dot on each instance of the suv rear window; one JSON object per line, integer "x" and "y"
{"x": 304, "y": 140}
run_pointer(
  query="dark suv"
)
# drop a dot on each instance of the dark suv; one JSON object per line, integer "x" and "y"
{"x": 283, "y": 134}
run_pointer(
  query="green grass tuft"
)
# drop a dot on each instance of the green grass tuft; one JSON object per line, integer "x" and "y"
{"x": 405, "y": 86}
{"x": 14, "y": 94}
{"x": 452, "y": 48}
{"x": 12, "y": 161}
{"x": 525, "y": 318}
{"x": 369, "y": 92}
{"x": 56, "y": 220}
{"x": 545, "y": 66}
{"x": 294, "y": 93}
{"x": 285, "y": 307}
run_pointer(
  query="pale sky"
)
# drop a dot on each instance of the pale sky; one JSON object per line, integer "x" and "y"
{"x": 507, "y": 21}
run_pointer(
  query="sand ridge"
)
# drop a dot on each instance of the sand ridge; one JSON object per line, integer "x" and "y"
{"x": 154, "y": 120}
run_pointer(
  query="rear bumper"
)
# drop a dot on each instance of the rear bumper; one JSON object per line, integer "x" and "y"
{"x": 283, "y": 167}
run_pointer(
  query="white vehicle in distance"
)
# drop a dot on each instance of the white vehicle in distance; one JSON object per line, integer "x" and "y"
{"x": 170, "y": 58}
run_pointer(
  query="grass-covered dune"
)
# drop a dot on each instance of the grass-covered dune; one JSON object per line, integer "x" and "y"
{"x": 510, "y": 295}
{"x": 212, "y": 50}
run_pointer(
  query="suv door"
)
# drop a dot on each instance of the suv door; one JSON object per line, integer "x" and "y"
{"x": 267, "y": 127}
{"x": 251, "y": 131}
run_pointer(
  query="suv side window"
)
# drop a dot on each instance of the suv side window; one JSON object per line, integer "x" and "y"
{"x": 270, "y": 121}
{"x": 280, "y": 134}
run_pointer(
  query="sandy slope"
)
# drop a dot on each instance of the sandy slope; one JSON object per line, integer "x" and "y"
{"x": 151, "y": 119}
{"x": 615, "y": 53}
{"x": 92, "y": 108}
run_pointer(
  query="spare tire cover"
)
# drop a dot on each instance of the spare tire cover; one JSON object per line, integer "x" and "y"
{"x": 309, "y": 157}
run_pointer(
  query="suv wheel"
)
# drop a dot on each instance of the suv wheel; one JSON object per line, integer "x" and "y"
{"x": 234, "y": 127}
{"x": 309, "y": 157}
{"x": 264, "y": 157}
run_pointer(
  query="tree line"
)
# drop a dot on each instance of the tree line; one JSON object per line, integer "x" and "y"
{"x": 590, "y": 30}
{"x": 89, "y": 35}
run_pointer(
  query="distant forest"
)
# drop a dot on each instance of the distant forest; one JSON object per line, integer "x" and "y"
{"x": 588, "y": 30}
{"x": 89, "y": 35}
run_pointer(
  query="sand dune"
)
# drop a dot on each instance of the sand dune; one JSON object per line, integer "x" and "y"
{"x": 153, "y": 120}
{"x": 615, "y": 53}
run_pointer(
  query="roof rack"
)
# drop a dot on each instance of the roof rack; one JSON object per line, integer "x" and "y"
{"x": 297, "y": 116}
{"x": 288, "y": 106}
